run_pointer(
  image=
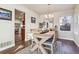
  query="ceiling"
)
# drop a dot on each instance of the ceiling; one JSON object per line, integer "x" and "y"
{"x": 45, "y": 8}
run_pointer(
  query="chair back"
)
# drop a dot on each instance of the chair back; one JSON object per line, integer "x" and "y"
{"x": 54, "y": 39}
{"x": 30, "y": 36}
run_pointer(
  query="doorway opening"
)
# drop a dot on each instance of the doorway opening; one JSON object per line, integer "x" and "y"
{"x": 19, "y": 28}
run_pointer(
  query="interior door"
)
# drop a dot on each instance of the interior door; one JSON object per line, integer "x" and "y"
{"x": 23, "y": 28}
{"x": 20, "y": 32}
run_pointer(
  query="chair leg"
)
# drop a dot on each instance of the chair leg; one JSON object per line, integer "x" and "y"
{"x": 38, "y": 51}
{"x": 52, "y": 50}
{"x": 31, "y": 43}
{"x": 55, "y": 47}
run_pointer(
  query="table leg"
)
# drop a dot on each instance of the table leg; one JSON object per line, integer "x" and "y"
{"x": 34, "y": 48}
{"x": 42, "y": 49}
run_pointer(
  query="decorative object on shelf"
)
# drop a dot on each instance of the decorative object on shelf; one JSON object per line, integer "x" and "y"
{"x": 65, "y": 23}
{"x": 51, "y": 21}
{"x": 47, "y": 24}
{"x": 40, "y": 25}
{"x": 5, "y": 14}
{"x": 33, "y": 20}
{"x": 17, "y": 26}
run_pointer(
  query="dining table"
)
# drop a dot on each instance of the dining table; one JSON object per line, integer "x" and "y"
{"x": 43, "y": 37}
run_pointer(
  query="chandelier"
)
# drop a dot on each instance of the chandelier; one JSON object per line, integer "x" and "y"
{"x": 48, "y": 15}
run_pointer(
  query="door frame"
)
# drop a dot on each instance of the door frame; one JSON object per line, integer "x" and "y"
{"x": 23, "y": 25}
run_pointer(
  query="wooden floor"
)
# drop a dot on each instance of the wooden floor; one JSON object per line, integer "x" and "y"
{"x": 12, "y": 50}
{"x": 65, "y": 47}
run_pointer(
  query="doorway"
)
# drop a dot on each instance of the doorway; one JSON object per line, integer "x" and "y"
{"x": 19, "y": 28}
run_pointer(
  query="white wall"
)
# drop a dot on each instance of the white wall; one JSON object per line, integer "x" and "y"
{"x": 7, "y": 27}
{"x": 76, "y": 25}
{"x": 7, "y": 30}
{"x": 64, "y": 34}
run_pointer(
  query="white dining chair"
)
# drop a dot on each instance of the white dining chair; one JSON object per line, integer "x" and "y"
{"x": 30, "y": 37}
{"x": 37, "y": 45}
{"x": 50, "y": 44}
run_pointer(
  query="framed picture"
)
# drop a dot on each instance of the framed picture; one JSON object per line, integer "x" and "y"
{"x": 41, "y": 25}
{"x": 5, "y": 14}
{"x": 65, "y": 23}
{"x": 33, "y": 20}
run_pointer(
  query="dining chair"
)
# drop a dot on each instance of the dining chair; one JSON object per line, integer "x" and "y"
{"x": 30, "y": 37}
{"x": 37, "y": 45}
{"x": 50, "y": 44}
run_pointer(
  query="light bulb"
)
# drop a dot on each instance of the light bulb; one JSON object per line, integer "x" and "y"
{"x": 52, "y": 15}
{"x": 45, "y": 16}
{"x": 49, "y": 15}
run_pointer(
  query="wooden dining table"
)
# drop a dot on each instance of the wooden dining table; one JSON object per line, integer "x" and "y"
{"x": 43, "y": 37}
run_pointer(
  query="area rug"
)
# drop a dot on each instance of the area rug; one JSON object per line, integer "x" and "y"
{"x": 27, "y": 50}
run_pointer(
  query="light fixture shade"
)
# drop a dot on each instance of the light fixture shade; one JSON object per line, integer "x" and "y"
{"x": 52, "y": 15}
{"x": 46, "y": 16}
{"x": 49, "y": 15}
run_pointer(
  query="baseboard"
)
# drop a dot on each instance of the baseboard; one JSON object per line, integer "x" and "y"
{"x": 66, "y": 39}
{"x": 11, "y": 49}
{"x": 12, "y": 45}
{"x": 76, "y": 43}
{"x": 72, "y": 40}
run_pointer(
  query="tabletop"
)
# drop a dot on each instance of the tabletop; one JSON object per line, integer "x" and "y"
{"x": 45, "y": 35}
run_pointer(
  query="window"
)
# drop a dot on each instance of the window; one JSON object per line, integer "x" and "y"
{"x": 65, "y": 23}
